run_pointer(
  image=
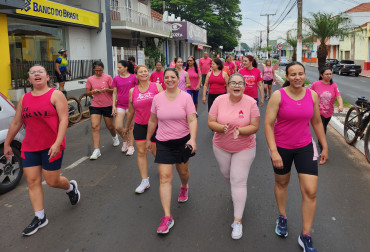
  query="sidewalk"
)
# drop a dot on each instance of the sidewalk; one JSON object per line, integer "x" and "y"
{"x": 365, "y": 73}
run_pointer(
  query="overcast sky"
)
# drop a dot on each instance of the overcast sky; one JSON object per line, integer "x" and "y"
{"x": 252, "y": 9}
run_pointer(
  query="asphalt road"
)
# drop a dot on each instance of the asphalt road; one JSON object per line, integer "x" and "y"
{"x": 111, "y": 217}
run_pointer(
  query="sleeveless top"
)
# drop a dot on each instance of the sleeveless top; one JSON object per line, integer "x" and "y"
{"x": 41, "y": 120}
{"x": 181, "y": 83}
{"x": 216, "y": 84}
{"x": 292, "y": 129}
{"x": 142, "y": 102}
{"x": 267, "y": 73}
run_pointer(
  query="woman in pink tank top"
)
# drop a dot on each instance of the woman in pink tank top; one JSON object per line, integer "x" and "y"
{"x": 44, "y": 112}
{"x": 287, "y": 130}
{"x": 184, "y": 81}
{"x": 268, "y": 75}
{"x": 140, "y": 103}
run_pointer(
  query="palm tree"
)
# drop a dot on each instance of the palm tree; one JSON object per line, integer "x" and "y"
{"x": 323, "y": 26}
{"x": 292, "y": 41}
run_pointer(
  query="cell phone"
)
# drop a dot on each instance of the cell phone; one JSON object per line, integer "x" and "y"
{"x": 189, "y": 150}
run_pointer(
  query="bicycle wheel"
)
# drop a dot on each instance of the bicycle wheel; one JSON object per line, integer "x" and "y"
{"x": 351, "y": 125}
{"x": 85, "y": 101}
{"x": 367, "y": 143}
{"x": 74, "y": 110}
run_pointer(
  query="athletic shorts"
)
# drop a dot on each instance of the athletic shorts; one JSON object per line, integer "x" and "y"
{"x": 61, "y": 77}
{"x": 104, "y": 111}
{"x": 140, "y": 133}
{"x": 36, "y": 158}
{"x": 305, "y": 160}
{"x": 268, "y": 82}
{"x": 194, "y": 95}
{"x": 122, "y": 110}
{"x": 172, "y": 151}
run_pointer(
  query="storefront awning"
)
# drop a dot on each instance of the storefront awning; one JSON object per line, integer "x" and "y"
{"x": 199, "y": 46}
{"x": 14, "y": 4}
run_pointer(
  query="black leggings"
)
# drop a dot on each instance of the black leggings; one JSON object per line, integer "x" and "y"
{"x": 325, "y": 122}
{"x": 211, "y": 99}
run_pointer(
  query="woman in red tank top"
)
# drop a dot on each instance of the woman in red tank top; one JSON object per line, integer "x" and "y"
{"x": 44, "y": 112}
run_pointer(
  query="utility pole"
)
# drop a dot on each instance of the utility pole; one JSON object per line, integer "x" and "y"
{"x": 164, "y": 6}
{"x": 268, "y": 31}
{"x": 299, "y": 31}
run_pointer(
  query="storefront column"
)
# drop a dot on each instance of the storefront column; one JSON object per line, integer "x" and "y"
{"x": 5, "y": 74}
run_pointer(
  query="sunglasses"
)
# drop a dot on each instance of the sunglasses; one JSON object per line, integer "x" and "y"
{"x": 41, "y": 71}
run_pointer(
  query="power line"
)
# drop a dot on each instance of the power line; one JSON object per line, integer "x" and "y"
{"x": 282, "y": 13}
{"x": 295, "y": 3}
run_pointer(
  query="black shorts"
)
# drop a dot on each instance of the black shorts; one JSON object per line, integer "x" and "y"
{"x": 104, "y": 111}
{"x": 305, "y": 160}
{"x": 61, "y": 77}
{"x": 268, "y": 82}
{"x": 172, "y": 151}
{"x": 37, "y": 158}
{"x": 140, "y": 132}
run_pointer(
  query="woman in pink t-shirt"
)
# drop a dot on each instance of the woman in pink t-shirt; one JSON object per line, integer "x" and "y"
{"x": 195, "y": 77}
{"x": 253, "y": 79}
{"x": 230, "y": 64}
{"x": 100, "y": 87}
{"x": 140, "y": 102}
{"x": 157, "y": 75}
{"x": 287, "y": 131}
{"x": 327, "y": 92}
{"x": 234, "y": 117}
{"x": 122, "y": 84}
{"x": 174, "y": 113}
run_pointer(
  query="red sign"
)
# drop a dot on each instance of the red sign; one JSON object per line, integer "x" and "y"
{"x": 200, "y": 47}
{"x": 279, "y": 46}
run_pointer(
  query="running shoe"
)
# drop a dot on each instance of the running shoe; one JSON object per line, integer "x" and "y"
{"x": 183, "y": 196}
{"x": 281, "y": 228}
{"x": 124, "y": 147}
{"x": 237, "y": 230}
{"x": 305, "y": 241}
{"x": 130, "y": 151}
{"x": 143, "y": 186}
{"x": 115, "y": 140}
{"x": 74, "y": 195}
{"x": 95, "y": 154}
{"x": 36, "y": 223}
{"x": 165, "y": 225}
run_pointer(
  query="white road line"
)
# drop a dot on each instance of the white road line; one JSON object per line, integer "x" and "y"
{"x": 76, "y": 163}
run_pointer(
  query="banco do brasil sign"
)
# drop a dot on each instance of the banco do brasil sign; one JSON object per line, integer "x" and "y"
{"x": 56, "y": 11}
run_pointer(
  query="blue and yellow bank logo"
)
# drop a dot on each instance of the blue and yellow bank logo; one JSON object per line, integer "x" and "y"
{"x": 27, "y": 5}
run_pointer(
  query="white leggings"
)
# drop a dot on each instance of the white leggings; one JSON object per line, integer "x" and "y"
{"x": 235, "y": 168}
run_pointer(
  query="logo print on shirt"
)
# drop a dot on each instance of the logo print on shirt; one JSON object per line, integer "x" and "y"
{"x": 250, "y": 80}
{"x": 145, "y": 96}
{"x": 241, "y": 114}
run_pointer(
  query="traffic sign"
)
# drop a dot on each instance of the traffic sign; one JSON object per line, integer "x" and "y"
{"x": 279, "y": 46}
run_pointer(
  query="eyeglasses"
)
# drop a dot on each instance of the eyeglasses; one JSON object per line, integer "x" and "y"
{"x": 234, "y": 84}
{"x": 41, "y": 71}
{"x": 98, "y": 70}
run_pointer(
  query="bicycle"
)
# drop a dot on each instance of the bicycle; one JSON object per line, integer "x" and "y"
{"x": 85, "y": 101}
{"x": 356, "y": 122}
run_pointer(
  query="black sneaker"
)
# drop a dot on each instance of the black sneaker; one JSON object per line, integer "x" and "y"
{"x": 305, "y": 241}
{"x": 35, "y": 225}
{"x": 281, "y": 228}
{"x": 74, "y": 195}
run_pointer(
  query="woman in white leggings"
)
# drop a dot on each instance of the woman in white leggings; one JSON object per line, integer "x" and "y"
{"x": 234, "y": 117}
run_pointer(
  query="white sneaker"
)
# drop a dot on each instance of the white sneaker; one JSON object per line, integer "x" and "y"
{"x": 95, "y": 154}
{"x": 124, "y": 146}
{"x": 237, "y": 230}
{"x": 115, "y": 141}
{"x": 144, "y": 185}
{"x": 130, "y": 151}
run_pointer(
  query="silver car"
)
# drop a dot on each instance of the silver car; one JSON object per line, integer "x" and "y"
{"x": 10, "y": 171}
{"x": 284, "y": 61}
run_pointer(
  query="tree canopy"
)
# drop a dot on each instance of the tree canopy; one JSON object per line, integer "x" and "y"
{"x": 220, "y": 18}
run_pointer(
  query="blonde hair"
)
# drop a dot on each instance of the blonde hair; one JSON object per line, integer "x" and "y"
{"x": 268, "y": 60}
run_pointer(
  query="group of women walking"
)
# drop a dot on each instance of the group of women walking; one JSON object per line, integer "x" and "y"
{"x": 163, "y": 107}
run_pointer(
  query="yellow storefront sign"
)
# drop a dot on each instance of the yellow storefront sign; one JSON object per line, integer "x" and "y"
{"x": 368, "y": 29}
{"x": 56, "y": 11}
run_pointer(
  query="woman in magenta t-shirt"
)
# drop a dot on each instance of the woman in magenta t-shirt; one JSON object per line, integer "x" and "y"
{"x": 174, "y": 113}
{"x": 157, "y": 75}
{"x": 122, "y": 84}
{"x": 234, "y": 117}
{"x": 289, "y": 112}
{"x": 253, "y": 79}
{"x": 100, "y": 87}
{"x": 195, "y": 77}
{"x": 230, "y": 64}
{"x": 327, "y": 91}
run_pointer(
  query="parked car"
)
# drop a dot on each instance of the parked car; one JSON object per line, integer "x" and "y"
{"x": 347, "y": 67}
{"x": 275, "y": 56}
{"x": 284, "y": 61}
{"x": 10, "y": 171}
{"x": 331, "y": 62}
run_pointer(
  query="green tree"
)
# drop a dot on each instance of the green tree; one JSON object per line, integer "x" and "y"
{"x": 324, "y": 26}
{"x": 220, "y": 18}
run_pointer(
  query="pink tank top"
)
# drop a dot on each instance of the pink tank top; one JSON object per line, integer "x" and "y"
{"x": 216, "y": 84}
{"x": 292, "y": 128}
{"x": 143, "y": 102}
{"x": 41, "y": 121}
{"x": 267, "y": 73}
{"x": 181, "y": 83}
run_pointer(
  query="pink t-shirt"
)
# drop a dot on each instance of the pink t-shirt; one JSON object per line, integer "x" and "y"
{"x": 231, "y": 67}
{"x": 142, "y": 102}
{"x": 123, "y": 86}
{"x": 205, "y": 65}
{"x": 251, "y": 78}
{"x": 292, "y": 127}
{"x": 155, "y": 77}
{"x": 172, "y": 115}
{"x": 194, "y": 78}
{"x": 102, "y": 99}
{"x": 327, "y": 94}
{"x": 237, "y": 115}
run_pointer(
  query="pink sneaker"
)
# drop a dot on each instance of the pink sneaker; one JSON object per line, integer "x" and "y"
{"x": 183, "y": 196}
{"x": 166, "y": 224}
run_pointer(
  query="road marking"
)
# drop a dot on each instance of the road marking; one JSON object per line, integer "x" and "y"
{"x": 76, "y": 163}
